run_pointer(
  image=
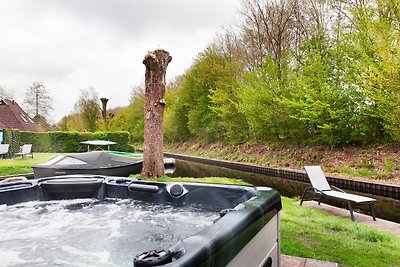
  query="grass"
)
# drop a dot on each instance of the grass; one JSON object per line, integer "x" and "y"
{"x": 306, "y": 232}
{"x": 370, "y": 171}
{"x": 23, "y": 166}
{"x": 211, "y": 180}
{"x": 367, "y": 172}
{"x": 310, "y": 233}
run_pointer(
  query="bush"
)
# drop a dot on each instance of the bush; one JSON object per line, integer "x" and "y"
{"x": 14, "y": 141}
{"x": 38, "y": 140}
{"x": 67, "y": 142}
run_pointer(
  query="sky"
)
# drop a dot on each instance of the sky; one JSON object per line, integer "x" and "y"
{"x": 71, "y": 45}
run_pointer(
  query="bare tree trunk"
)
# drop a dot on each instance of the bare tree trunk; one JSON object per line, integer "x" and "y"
{"x": 156, "y": 63}
{"x": 104, "y": 111}
{"x": 37, "y": 102}
{"x": 104, "y": 108}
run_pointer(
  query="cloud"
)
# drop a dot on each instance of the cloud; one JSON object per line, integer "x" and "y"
{"x": 74, "y": 44}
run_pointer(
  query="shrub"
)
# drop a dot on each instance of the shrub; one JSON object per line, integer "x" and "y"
{"x": 14, "y": 141}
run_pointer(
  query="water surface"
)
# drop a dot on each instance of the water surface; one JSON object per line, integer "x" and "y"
{"x": 87, "y": 232}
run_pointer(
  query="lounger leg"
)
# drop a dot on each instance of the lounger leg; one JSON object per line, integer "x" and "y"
{"x": 302, "y": 197}
{"x": 351, "y": 211}
{"x": 371, "y": 207}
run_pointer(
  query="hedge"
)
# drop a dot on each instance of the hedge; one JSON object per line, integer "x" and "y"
{"x": 69, "y": 142}
{"x": 13, "y": 138}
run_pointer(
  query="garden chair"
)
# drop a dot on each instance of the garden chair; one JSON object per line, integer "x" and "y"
{"x": 321, "y": 188}
{"x": 3, "y": 150}
{"x": 25, "y": 150}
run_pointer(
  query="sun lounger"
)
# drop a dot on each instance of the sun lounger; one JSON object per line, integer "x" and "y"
{"x": 3, "y": 150}
{"x": 25, "y": 150}
{"x": 321, "y": 188}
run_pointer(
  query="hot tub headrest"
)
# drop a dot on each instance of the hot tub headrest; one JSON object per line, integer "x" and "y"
{"x": 67, "y": 187}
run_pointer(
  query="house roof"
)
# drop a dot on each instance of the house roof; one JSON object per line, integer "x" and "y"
{"x": 14, "y": 117}
{"x": 42, "y": 124}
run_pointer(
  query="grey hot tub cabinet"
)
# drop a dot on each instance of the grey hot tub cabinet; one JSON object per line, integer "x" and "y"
{"x": 246, "y": 234}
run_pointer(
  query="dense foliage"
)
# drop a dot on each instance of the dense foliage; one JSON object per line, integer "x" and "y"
{"x": 309, "y": 71}
{"x": 131, "y": 118}
{"x": 89, "y": 108}
{"x": 12, "y": 137}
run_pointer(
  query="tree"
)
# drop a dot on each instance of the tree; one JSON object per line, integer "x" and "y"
{"x": 71, "y": 122}
{"x": 156, "y": 63}
{"x": 104, "y": 124}
{"x": 269, "y": 29}
{"x": 5, "y": 93}
{"x": 260, "y": 101}
{"x": 231, "y": 124}
{"x": 172, "y": 127}
{"x": 376, "y": 38}
{"x": 89, "y": 108}
{"x": 171, "y": 133}
{"x": 277, "y": 29}
{"x": 38, "y": 100}
{"x": 206, "y": 102}
{"x": 131, "y": 117}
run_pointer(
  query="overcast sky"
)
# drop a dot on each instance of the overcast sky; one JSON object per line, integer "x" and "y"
{"x": 73, "y": 44}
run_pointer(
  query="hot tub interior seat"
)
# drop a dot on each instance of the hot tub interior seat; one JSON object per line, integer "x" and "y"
{"x": 246, "y": 212}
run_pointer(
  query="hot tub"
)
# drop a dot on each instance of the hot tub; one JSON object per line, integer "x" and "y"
{"x": 115, "y": 221}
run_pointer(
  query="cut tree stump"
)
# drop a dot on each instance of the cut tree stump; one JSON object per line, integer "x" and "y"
{"x": 156, "y": 63}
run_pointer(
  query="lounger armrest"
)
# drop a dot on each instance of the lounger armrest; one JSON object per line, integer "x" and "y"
{"x": 314, "y": 189}
{"x": 337, "y": 189}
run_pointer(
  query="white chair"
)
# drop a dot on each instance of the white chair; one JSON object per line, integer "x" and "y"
{"x": 321, "y": 188}
{"x": 3, "y": 150}
{"x": 25, "y": 150}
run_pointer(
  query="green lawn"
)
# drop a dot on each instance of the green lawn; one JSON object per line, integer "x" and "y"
{"x": 210, "y": 180}
{"x": 306, "y": 232}
{"x": 310, "y": 233}
{"x": 23, "y": 166}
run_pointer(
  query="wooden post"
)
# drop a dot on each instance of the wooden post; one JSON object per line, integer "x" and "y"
{"x": 156, "y": 63}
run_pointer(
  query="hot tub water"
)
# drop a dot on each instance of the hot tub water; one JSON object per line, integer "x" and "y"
{"x": 87, "y": 232}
